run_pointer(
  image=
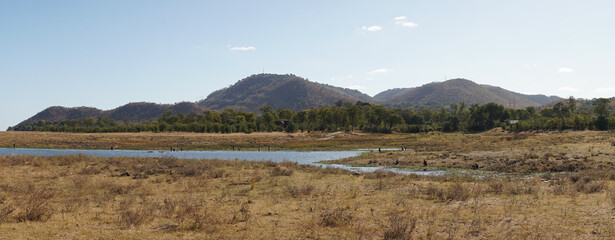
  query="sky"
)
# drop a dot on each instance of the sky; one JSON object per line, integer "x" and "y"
{"x": 105, "y": 54}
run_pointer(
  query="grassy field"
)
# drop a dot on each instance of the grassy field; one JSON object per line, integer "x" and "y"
{"x": 552, "y": 185}
{"x": 130, "y": 198}
{"x": 201, "y": 141}
{"x": 503, "y": 152}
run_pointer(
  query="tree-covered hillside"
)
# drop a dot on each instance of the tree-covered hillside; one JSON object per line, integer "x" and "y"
{"x": 442, "y": 94}
{"x": 279, "y": 91}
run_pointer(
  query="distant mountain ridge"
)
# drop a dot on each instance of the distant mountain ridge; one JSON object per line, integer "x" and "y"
{"x": 296, "y": 93}
{"x": 279, "y": 91}
{"x": 438, "y": 94}
{"x": 133, "y": 112}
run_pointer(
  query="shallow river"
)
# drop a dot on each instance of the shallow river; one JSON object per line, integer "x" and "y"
{"x": 301, "y": 157}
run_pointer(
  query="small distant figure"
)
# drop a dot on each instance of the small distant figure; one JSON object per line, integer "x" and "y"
{"x": 233, "y": 148}
{"x": 238, "y": 148}
{"x": 474, "y": 166}
{"x": 424, "y": 163}
{"x": 111, "y": 147}
{"x": 13, "y": 146}
{"x": 171, "y": 149}
{"x": 259, "y": 149}
{"x": 379, "y": 150}
{"x": 181, "y": 149}
{"x": 268, "y": 148}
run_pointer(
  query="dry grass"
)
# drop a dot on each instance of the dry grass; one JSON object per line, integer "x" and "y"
{"x": 569, "y": 195}
{"x": 87, "y": 197}
{"x": 202, "y": 141}
{"x": 503, "y": 152}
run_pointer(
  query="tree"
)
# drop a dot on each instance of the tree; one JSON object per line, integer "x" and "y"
{"x": 601, "y": 109}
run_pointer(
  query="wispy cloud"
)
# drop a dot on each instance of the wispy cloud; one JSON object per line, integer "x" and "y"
{"x": 248, "y": 48}
{"x": 401, "y": 20}
{"x": 356, "y": 87}
{"x": 565, "y": 70}
{"x": 371, "y": 28}
{"x": 568, "y": 89}
{"x": 604, "y": 90}
{"x": 380, "y": 70}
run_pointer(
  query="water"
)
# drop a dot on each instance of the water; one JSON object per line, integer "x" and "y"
{"x": 300, "y": 157}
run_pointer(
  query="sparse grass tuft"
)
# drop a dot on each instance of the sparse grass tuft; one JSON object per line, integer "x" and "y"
{"x": 399, "y": 227}
{"x": 35, "y": 206}
{"x": 133, "y": 215}
{"x": 281, "y": 171}
{"x": 335, "y": 217}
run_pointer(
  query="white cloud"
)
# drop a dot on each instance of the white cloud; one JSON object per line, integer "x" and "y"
{"x": 242, "y": 48}
{"x": 604, "y": 90}
{"x": 568, "y": 89}
{"x": 356, "y": 87}
{"x": 409, "y": 24}
{"x": 401, "y": 20}
{"x": 565, "y": 70}
{"x": 372, "y": 28}
{"x": 380, "y": 70}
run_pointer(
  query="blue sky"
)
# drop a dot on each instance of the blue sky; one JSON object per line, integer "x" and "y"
{"x": 108, "y": 53}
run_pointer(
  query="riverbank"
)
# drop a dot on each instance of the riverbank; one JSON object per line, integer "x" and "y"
{"x": 492, "y": 151}
{"x": 162, "y": 198}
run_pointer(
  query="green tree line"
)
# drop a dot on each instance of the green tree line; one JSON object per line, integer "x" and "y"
{"x": 347, "y": 116}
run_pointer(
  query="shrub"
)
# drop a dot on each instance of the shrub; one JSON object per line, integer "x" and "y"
{"x": 457, "y": 192}
{"x": 35, "y": 206}
{"x": 132, "y": 215}
{"x": 496, "y": 187}
{"x": 589, "y": 186}
{"x": 399, "y": 227}
{"x": 281, "y": 171}
{"x": 611, "y": 196}
{"x": 5, "y": 211}
{"x": 335, "y": 217}
{"x": 432, "y": 192}
{"x": 295, "y": 191}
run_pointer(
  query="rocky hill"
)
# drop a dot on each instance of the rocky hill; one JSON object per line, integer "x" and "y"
{"x": 439, "y": 94}
{"x": 279, "y": 91}
{"x": 133, "y": 112}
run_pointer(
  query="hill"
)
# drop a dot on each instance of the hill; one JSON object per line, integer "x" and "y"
{"x": 133, "y": 112}
{"x": 439, "y": 94}
{"x": 279, "y": 91}
{"x": 296, "y": 93}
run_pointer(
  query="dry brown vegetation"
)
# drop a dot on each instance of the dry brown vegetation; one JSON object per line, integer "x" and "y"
{"x": 504, "y": 152}
{"x": 563, "y": 188}
{"x": 87, "y": 197}
{"x": 198, "y": 141}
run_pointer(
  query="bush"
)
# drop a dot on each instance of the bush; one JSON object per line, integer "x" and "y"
{"x": 399, "y": 227}
{"x": 5, "y": 211}
{"x": 335, "y": 217}
{"x": 457, "y": 192}
{"x": 295, "y": 191}
{"x": 589, "y": 186}
{"x": 35, "y": 206}
{"x": 133, "y": 216}
{"x": 281, "y": 171}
